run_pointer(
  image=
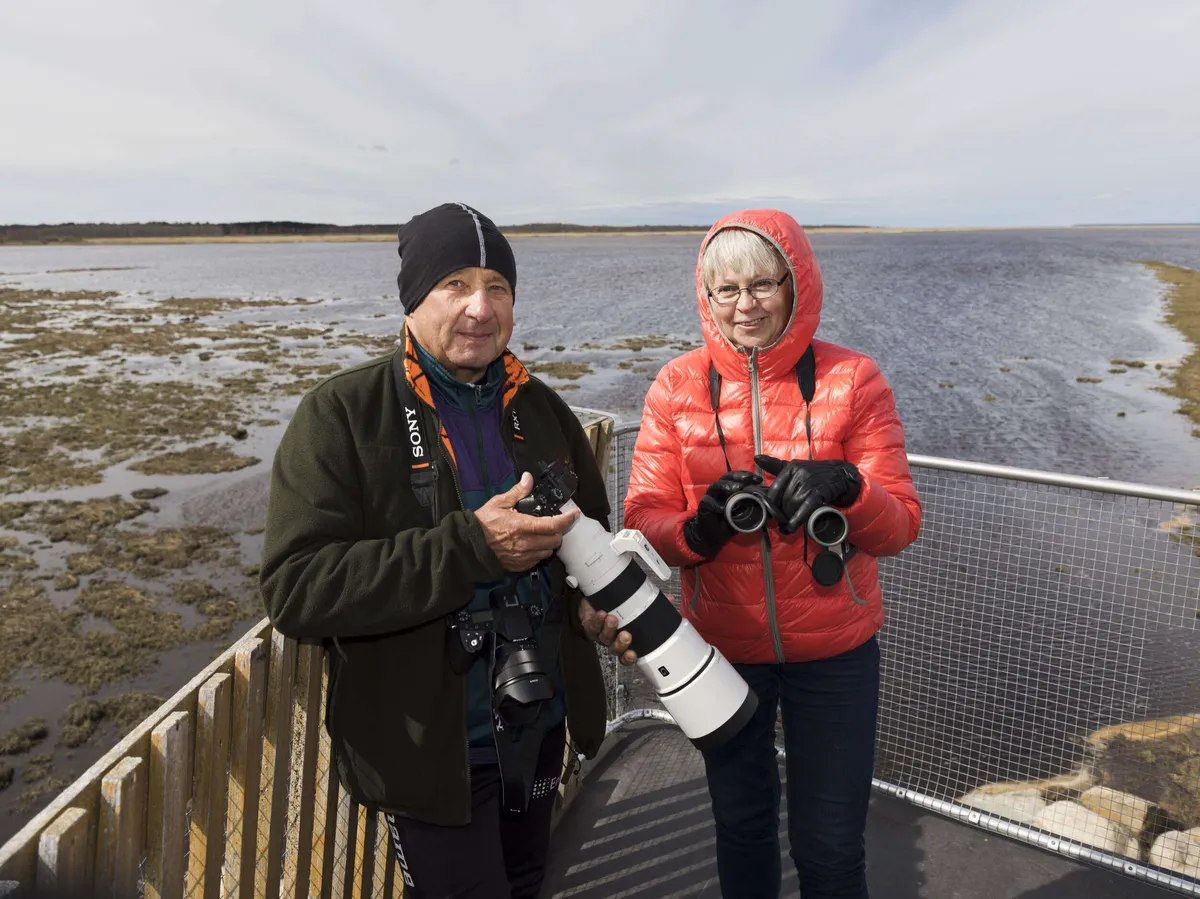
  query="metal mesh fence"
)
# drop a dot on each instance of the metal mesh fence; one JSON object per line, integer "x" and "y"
{"x": 1041, "y": 667}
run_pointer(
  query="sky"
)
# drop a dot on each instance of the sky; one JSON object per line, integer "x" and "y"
{"x": 880, "y": 112}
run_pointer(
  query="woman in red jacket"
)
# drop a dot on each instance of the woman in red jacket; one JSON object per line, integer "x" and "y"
{"x": 764, "y": 403}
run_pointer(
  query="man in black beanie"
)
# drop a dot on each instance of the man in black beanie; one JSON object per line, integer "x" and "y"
{"x": 392, "y": 536}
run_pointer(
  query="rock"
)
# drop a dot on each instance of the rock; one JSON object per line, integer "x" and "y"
{"x": 1075, "y": 781}
{"x": 1121, "y": 808}
{"x": 1074, "y": 822}
{"x": 1019, "y": 805}
{"x": 1178, "y": 851}
{"x": 1158, "y": 760}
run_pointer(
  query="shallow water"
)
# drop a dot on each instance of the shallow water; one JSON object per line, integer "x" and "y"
{"x": 932, "y": 308}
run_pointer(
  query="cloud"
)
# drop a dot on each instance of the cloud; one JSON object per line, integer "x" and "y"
{"x": 862, "y": 111}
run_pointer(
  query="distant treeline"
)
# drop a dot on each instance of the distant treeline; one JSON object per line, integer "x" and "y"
{"x": 71, "y": 232}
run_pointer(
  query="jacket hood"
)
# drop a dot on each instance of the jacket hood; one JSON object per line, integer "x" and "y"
{"x": 789, "y": 239}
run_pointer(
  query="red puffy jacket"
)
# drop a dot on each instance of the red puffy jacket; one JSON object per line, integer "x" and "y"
{"x": 756, "y": 600}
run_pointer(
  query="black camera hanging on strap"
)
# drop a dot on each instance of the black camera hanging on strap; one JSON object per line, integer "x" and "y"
{"x": 521, "y": 657}
{"x": 519, "y": 665}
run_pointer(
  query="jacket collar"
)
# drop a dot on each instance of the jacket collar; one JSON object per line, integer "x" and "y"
{"x": 504, "y": 376}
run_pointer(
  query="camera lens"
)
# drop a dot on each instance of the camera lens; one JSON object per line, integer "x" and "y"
{"x": 746, "y": 512}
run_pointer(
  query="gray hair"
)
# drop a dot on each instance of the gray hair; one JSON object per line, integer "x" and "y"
{"x": 739, "y": 251}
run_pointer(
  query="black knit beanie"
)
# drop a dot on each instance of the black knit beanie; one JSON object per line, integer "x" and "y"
{"x": 444, "y": 239}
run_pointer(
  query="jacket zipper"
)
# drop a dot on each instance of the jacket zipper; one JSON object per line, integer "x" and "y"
{"x": 696, "y": 589}
{"x": 487, "y": 481}
{"x": 462, "y": 504}
{"x": 768, "y": 573}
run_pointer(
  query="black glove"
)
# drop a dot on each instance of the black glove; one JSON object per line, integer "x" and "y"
{"x": 707, "y": 531}
{"x": 801, "y": 487}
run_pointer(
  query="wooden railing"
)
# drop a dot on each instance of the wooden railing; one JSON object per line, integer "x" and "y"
{"x": 226, "y": 790}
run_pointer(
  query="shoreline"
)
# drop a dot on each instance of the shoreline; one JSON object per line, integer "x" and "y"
{"x": 1182, "y": 307}
{"x": 645, "y": 232}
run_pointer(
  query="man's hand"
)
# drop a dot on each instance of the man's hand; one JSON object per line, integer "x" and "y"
{"x": 520, "y": 541}
{"x": 602, "y": 628}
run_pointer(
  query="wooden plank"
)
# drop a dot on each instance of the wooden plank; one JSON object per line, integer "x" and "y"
{"x": 122, "y": 837}
{"x": 272, "y": 817}
{"x": 363, "y": 847}
{"x": 602, "y": 432}
{"x": 18, "y": 856}
{"x": 166, "y": 818}
{"x": 306, "y": 724}
{"x": 206, "y": 839}
{"x": 343, "y": 845}
{"x": 65, "y": 855}
{"x": 245, "y": 769}
{"x": 326, "y": 806}
{"x": 384, "y": 861}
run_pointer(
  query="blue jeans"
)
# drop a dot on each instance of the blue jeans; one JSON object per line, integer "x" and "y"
{"x": 829, "y": 713}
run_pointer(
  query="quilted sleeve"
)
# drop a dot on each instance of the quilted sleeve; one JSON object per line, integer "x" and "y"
{"x": 886, "y": 517}
{"x": 655, "y": 503}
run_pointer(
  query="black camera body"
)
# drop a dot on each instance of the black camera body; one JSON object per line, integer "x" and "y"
{"x": 506, "y": 632}
{"x": 553, "y": 489}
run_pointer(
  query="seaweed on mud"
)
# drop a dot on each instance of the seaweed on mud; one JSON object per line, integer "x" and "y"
{"x": 126, "y": 625}
{"x": 87, "y": 408}
{"x": 30, "y": 798}
{"x": 211, "y": 458}
{"x": 83, "y": 717}
{"x": 14, "y": 561}
{"x": 566, "y": 370}
{"x": 23, "y": 737}
{"x": 7, "y": 692}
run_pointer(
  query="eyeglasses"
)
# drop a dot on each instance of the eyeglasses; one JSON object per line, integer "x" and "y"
{"x": 762, "y": 289}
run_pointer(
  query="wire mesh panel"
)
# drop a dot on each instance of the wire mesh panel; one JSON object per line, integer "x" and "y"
{"x": 1041, "y": 666}
{"x": 628, "y": 691}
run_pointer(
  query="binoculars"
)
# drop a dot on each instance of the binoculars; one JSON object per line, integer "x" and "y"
{"x": 749, "y": 510}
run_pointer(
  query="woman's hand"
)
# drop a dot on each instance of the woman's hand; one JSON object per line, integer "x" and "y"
{"x": 707, "y": 531}
{"x": 802, "y": 486}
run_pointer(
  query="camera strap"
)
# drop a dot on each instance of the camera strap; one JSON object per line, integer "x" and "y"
{"x": 806, "y": 378}
{"x": 422, "y": 472}
{"x": 518, "y": 748}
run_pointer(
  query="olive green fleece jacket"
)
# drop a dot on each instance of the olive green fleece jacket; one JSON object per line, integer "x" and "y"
{"x": 351, "y": 559}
